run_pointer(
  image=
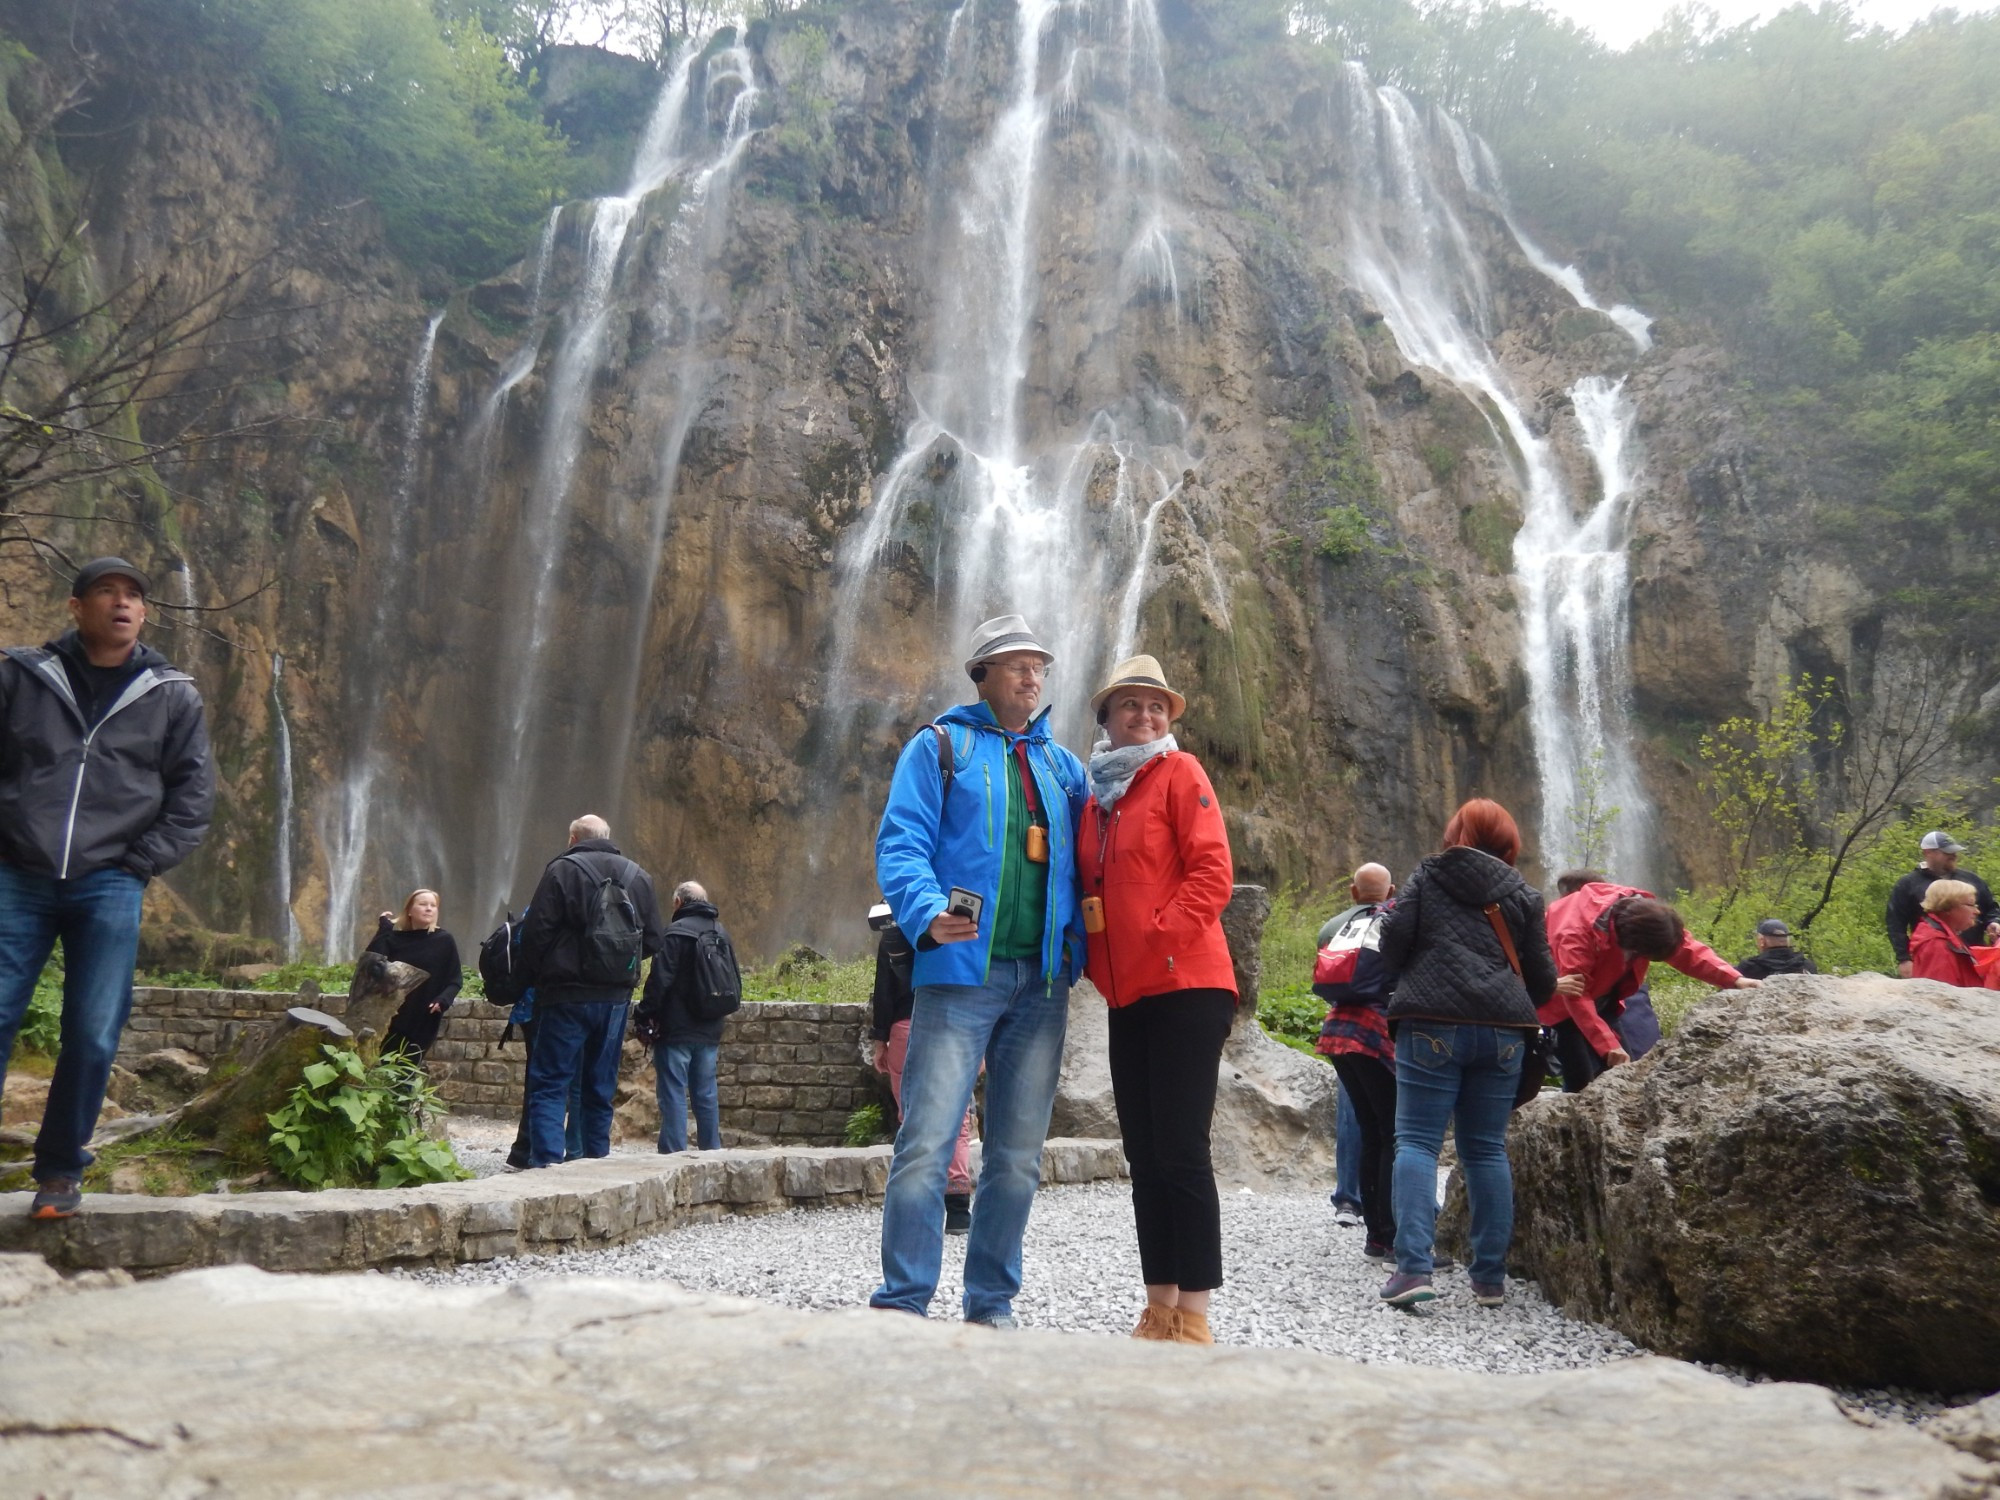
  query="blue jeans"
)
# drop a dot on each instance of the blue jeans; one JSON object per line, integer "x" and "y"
{"x": 681, "y": 1069}
{"x": 97, "y": 918}
{"x": 1346, "y": 1151}
{"x": 575, "y": 1040}
{"x": 1445, "y": 1069}
{"x": 1016, "y": 1022}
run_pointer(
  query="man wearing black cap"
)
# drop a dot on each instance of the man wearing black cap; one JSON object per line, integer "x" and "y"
{"x": 1939, "y": 852}
{"x": 104, "y": 783}
{"x": 1775, "y": 953}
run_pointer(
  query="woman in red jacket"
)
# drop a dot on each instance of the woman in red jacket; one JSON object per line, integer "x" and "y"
{"x": 1938, "y": 949}
{"x": 1154, "y": 858}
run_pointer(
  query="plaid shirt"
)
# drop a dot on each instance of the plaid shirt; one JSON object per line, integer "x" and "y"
{"x": 1362, "y": 1029}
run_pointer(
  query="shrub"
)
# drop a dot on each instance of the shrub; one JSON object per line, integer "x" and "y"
{"x": 866, "y": 1127}
{"x": 352, "y": 1124}
{"x": 1287, "y": 1008}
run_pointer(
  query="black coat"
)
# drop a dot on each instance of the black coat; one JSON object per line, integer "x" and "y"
{"x": 894, "y": 998}
{"x": 134, "y": 792}
{"x": 551, "y": 933}
{"x": 1448, "y": 959}
{"x": 1785, "y": 960}
{"x": 436, "y": 953}
{"x": 664, "y": 1007}
{"x": 1906, "y": 906}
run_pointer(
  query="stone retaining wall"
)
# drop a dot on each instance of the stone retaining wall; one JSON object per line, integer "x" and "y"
{"x": 583, "y": 1205}
{"x": 788, "y": 1072}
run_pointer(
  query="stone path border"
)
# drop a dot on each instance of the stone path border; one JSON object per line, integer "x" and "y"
{"x": 584, "y": 1205}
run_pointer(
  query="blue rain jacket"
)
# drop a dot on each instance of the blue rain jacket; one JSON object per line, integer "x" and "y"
{"x": 928, "y": 842}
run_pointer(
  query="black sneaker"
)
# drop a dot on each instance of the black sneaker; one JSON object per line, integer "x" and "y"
{"x": 958, "y": 1213}
{"x": 57, "y": 1198}
{"x": 1378, "y": 1252}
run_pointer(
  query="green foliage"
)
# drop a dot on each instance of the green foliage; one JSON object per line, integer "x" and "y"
{"x": 351, "y": 1124}
{"x": 803, "y": 975}
{"x": 415, "y": 107}
{"x": 333, "y": 978}
{"x": 865, "y": 1127}
{"x": 1286, "y": 1007}
{"x": 1343, "y": 534}
{"x": 41, "y": 1029}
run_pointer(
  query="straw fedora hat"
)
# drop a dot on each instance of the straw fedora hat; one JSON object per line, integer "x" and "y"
{"x": 1139, "y": 671}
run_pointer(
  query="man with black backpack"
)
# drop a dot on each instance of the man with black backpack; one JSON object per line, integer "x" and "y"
{"x": 694, "y": 988}
{"x": 592, "y": 921}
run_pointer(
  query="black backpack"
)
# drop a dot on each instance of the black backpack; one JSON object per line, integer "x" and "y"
{"x": 715, "y": 988}
{"x": 498, "y": 969}
{"x": 613, "y": 938}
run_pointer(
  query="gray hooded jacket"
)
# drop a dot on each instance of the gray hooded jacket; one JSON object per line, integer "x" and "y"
{"x": 135, "y": 792}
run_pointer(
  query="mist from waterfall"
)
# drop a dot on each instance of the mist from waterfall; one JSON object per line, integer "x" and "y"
{"x": 1007, "y": 519}
{"x": 1410, "y": 251}
{"x": 347, "y": 827}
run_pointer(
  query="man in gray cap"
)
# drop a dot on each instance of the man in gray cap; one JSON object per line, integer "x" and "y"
{"x": 1775, "y": 953}
{"x": 105, "y": 782}
{"x": 1939, "y": 852}
{"x": 976, "y": 854}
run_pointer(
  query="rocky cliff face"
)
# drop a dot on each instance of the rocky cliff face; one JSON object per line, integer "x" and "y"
{"x": 680, "y": 520}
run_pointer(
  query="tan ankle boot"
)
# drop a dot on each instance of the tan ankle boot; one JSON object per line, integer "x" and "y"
{"x": 1191, "y": 1327}
{"x": 1159, "y": 1323}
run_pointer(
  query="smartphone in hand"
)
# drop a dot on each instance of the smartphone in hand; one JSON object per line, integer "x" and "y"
{"x": 959, "y": 902}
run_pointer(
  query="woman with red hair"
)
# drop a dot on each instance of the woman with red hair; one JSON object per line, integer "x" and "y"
{"x": 1471, "y": 954}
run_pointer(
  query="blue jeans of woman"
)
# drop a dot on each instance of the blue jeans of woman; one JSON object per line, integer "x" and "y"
{"x": 1016, "y": 1021}
{"x": 1445, "y": 1069}
{"x": 97, "y": 918}
{"x": 684, "y": 1071}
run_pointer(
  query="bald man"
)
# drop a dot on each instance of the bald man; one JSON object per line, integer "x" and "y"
{"x": 1370, "y": 884}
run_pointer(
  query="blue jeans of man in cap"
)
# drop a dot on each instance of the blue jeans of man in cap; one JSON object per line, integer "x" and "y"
{"x": 1016, "y": 1022}
{"x": 684, "y": 1070}
{"x": 1446, "y": 1070}
{"x": 1346, "y": 1152}
{"x": 97, "y": 918}
{"x": 577, "y": 1038}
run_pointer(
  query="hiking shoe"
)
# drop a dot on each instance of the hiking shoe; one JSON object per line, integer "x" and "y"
{"x": 57, "y": 1198}
{"x": 1159, "y": 1324}
{"x": 1405, "y": 1290}
{"x": 1005, "y": 1321}
{"x": 1378, "y": 1252}
{"x": 1346, "y": 1216}
{"x": 958, "y": 1213}
{"x": 1489, "y": 1293}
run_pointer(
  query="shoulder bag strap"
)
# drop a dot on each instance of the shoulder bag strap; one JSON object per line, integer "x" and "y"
{"x": 1506, "y": 938}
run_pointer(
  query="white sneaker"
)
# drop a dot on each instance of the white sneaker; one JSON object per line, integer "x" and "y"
{"x": 1347, "y": 1218}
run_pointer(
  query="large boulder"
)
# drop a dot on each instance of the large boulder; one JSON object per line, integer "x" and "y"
{"x": 1805, "y": 1179}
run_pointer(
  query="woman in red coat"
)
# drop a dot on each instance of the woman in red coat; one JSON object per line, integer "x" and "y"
{"x": 1154, "y": 858}
{"x": 1938, "y": 949}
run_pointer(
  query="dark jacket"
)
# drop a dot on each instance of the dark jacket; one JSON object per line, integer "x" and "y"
{"x": 895, "y": 996}
{"x": 436, "y": 953}
{"x": 134, "y": 792}
{"x": 1785, "y": 960}
{"x": 663, "y": 1009}
{"x": 1448, "y": 959}
{"x": 1906, "y": 906}
{"x": 552, "y": 931}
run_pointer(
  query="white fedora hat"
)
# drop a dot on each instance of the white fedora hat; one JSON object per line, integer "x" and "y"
{"x": 1002, "y": 634}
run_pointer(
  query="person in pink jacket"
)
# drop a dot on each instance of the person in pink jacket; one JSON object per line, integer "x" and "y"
{"x": 1604, "y": 938}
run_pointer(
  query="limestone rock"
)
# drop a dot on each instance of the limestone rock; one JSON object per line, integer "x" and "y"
{"x": 1974, "y": 1429}
{"x": 1274, "y": 1114}
{"x": 1084, "y": 1105}
{"x": 1805, "y": 1179}
{"x": 22, "y": 1100}
{"x": 609, "y": 1388}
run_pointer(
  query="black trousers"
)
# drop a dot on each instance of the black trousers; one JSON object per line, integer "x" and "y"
{"x": 1371, "y": 1084}
{"x": 1580, "y": 1062}
{"x": 1165, "y": 1053}
{"x": 519, "y": 1154}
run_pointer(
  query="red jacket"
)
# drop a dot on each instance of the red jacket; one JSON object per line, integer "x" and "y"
{"x": 1936, "y": 952}
{"x": 1160, "y": 862}
{"x": 1581, "y": 939}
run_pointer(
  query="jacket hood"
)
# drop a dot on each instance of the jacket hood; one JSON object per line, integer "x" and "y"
{"x": 696, "y": 909}
{"x": 1473, "y": 876}
{"x": 70, "y": 644}
{"x": 978, "y": 716}
{"x": 1784, "y": 960}
{"x": 594, "y": 846}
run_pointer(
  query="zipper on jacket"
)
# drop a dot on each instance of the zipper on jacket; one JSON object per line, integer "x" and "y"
{"x": 144, "y": 684}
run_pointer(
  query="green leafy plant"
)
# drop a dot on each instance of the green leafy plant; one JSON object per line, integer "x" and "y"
{"x": 866, "y": 1127}
{"x": 350, "y": 1123}
{"x": 41, "y": 1030}
{"x": 1287, "y": 1008}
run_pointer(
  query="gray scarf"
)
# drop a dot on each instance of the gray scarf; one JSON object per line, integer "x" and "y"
{"x": 1111, "y": 771}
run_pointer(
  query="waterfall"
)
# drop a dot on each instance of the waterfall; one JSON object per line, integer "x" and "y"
{"x": 1410, "y": 251}
{"x": 1006, "y": 516}
{"x": 283, "y": 748}
{"x": 346, "y": 829}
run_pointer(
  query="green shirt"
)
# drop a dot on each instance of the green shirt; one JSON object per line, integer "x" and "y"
{"x": 1024, "y": 887}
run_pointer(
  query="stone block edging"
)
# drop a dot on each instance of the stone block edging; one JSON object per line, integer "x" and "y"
{"x": 584, "y": 1205}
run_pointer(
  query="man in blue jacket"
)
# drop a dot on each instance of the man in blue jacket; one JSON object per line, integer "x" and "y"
{"x": 986, "y": 803}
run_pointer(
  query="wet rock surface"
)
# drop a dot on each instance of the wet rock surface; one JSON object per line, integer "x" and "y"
{"x": 595, "y": 1387}
{"x": 1805, "y": 1180}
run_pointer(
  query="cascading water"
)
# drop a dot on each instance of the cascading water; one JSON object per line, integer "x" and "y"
{"x": 1410, "y": 251}
{"x": 282, "y": 750}
{"x": 347, "y": 827}
{"x": 1013, "y": 515}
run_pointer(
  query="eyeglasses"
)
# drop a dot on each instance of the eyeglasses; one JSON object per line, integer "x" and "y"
{"x": 1035, "y": 670}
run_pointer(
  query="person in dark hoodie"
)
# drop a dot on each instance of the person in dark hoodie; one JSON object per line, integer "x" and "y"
{"x": 1467, "y": 943}
{"x": 105, "y": 782}
{"x": 685, "y": 1045}
{"x": 416, "y": 939}
{"x": 1775, "y": 953}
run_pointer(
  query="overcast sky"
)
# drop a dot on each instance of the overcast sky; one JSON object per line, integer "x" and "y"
{"x": 1619, "y": 23}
